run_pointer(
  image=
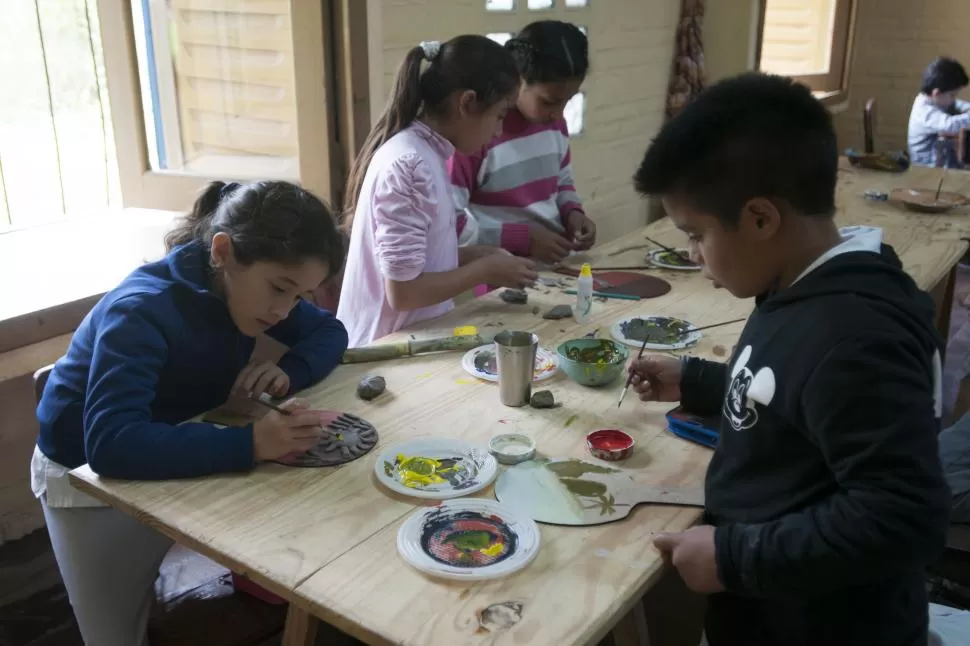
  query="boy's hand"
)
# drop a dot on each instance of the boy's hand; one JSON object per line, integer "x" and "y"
{"x": 548, "y": 246}
{"x": 692, "y": 553}
{"x": 276, "y": 435}
{"x": 266, "y": 377}
{"x": 581, "y": 230}
{"x": 656, "y": 378}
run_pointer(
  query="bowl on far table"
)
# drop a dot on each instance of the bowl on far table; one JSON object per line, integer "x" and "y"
{"x": 925, "y": 200}
{"x": 592, "y": 362}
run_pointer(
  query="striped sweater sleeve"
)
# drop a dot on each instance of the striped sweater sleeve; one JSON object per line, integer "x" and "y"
{"x": 464, "y": 171}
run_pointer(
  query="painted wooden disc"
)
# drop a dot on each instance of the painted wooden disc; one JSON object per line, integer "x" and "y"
{"x": 468, "y": 540}
{"x": 348, "y": 437}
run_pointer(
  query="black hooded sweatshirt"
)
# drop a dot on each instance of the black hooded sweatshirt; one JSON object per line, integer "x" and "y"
{"x": 826, "y": 488}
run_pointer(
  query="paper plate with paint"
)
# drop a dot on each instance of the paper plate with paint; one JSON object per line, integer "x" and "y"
{"x": 666, "y": 260}
{"x": 660, "y": 332}
{"x": 481, "y": 363}
{"x": 468, "y": 540}
{"x": 436, "y": 468}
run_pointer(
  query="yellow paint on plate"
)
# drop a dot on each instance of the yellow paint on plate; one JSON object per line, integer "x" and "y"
{"x": 418, "y": 471}
{"x": 466, "y": 330}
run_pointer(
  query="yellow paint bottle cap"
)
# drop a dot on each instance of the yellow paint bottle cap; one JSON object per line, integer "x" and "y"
{"x": 585, "y": 271}
{"x": 466, "y": 330}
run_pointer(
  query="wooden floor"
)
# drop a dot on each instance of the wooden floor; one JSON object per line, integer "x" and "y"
{"x": 197, "y": 603}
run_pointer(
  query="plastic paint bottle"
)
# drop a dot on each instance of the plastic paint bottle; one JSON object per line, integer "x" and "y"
{"x": 584, "y": 294}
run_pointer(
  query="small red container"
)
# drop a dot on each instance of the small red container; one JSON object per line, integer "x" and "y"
{"x": 610, "y": 444}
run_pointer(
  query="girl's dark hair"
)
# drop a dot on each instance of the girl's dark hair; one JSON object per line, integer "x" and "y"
{"x": 463, "y": 63}
{"x": 267, "y": 221}
{"x": 550, "y": 51}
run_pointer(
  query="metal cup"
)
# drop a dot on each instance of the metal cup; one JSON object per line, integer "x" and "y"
{"x": 515, "y": 358}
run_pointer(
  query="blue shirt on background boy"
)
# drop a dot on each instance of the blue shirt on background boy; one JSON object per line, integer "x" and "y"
{"x": 937, "y": 111}
{"x": 825, "y": 497}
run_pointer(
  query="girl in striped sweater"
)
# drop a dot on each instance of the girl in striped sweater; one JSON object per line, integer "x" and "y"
{"x": 517, "y": 192}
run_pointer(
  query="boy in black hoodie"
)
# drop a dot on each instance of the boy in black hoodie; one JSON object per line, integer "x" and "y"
{"x": 825, "y": 497}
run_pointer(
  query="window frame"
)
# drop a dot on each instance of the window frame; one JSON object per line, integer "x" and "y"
{"x": 830, "y": 87}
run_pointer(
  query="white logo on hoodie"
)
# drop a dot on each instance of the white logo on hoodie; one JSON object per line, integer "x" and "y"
{"x": 746, "y": 390}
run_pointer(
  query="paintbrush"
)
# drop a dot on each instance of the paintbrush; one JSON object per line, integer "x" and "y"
{"x": 625, "y": 297}
{"x": 671, "y": 251}
{"x": 629, "y": 379}
{"x": 265, "y": 401}
{"x": 939, "y": 186}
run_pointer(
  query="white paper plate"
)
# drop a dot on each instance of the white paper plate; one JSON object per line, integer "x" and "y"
{"x": 475, "y": 361}
{"x": 685, "y": 341}
{"x": 465, "y": 470}
{"x": 468, "y": 540}
{"x": 661, "y": 258}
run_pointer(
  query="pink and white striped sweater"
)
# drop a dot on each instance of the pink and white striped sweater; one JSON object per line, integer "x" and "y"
{"x": 522, "y": 178}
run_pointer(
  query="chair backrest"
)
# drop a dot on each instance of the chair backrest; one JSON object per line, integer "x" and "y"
{"x": 40, "y": 381}
{"x": 869, "y": 126}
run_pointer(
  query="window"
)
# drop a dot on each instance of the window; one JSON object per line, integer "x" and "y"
{"x": 577, "y": 3}
{"x": 575, "y": 114}
{"x": 500, "y": 38}
{"x": 808, "y": 40}
{"x": 538, "y": 5}
{"x": 499, "y": 5}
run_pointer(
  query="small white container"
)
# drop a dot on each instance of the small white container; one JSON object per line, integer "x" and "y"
{"x": 512, "y": 448}
{"x": 584, "y": 294}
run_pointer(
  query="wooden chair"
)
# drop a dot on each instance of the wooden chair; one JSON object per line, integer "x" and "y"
{"x": 961, "y": 145}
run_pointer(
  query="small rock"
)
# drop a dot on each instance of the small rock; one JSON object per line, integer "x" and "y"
{"x": 558, "y": 312}
{"x": 371, "y": 387}
{"x": 514, "y": 296}
{"x": 543, "y": 399}
{"x": 719, "y": 351}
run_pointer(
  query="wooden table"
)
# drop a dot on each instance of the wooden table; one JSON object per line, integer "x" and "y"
{"x": 325, "y": 539}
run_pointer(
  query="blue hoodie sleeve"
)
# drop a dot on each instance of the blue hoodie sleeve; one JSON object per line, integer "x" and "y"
{"x": 869, "y": 407}
{"x": 120, "y": 438}
{"x": 317, "y": 341}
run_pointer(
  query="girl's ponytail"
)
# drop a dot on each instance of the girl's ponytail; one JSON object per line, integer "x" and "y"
{"x": 469, "y": 62}
{"x": 195, "y": 224}
{"x": 402, "y": 109}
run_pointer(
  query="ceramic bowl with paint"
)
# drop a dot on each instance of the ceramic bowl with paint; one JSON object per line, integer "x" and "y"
{"x": 610, "y": 444}
{"x": 592, "y": 362}
{"x": 512, "y": 448}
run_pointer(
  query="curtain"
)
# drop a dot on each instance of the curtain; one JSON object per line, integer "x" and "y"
{"x": 687, "y": 76}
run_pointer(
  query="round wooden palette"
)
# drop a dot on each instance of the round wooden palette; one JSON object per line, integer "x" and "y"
{"x": 348, "y": 437}
{"x": 468, "y": 540}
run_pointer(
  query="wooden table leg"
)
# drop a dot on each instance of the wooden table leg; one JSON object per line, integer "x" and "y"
{"x": 300, "y": 628}
{"x": 632, "y": 629}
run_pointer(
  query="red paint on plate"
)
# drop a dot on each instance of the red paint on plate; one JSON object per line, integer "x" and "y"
{"x": 610, "y": 444}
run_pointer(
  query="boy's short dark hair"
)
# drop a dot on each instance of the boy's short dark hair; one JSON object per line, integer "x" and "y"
{"x": 754, "y": 135}
{"x": 944, "y": 74}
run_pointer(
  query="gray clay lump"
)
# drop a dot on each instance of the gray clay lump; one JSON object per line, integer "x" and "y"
{"x": 558, "y": 312}
{"x": 514, "y": 296}
{"x": 371, "y": 387}
{"x": 543, "y": 399}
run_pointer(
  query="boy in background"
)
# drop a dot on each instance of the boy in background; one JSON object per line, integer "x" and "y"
{"x": 937, "y": 111}
{"x": 825, "y": 496}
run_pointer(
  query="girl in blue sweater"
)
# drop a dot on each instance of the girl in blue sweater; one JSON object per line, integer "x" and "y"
{"x": 166, "y": 345}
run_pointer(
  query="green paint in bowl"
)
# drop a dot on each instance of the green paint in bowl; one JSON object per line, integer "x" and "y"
{"x": 592, "y": 362}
